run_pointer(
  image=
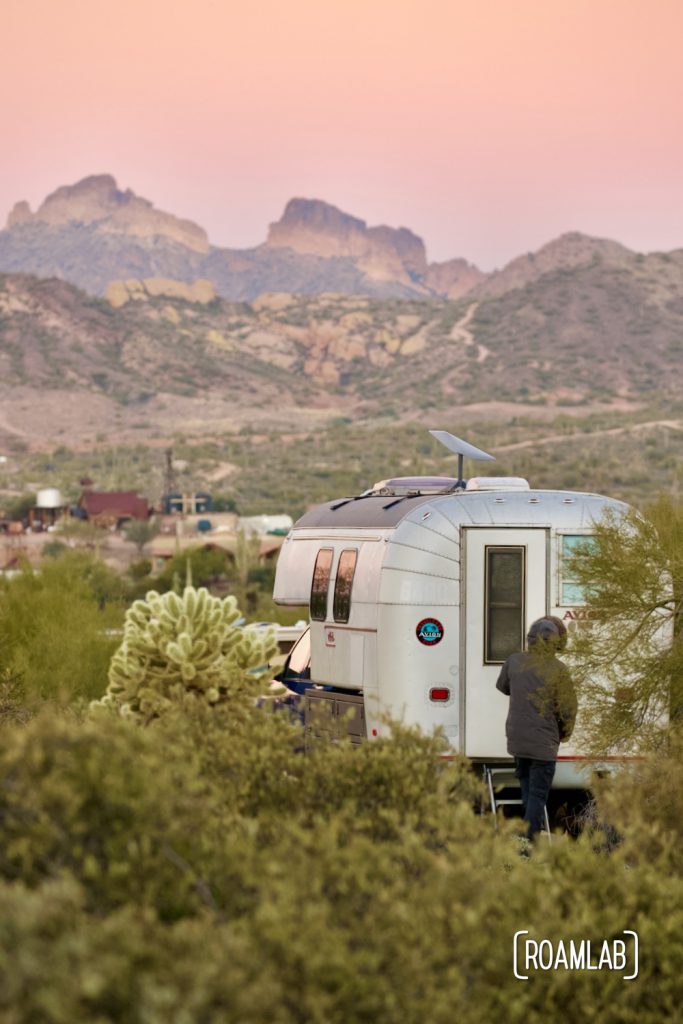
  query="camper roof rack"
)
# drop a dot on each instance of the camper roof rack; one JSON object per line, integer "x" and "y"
{"x": 405, "y": 485}
{"x": 408, "y": 486}
{"x": 413, "y": 486}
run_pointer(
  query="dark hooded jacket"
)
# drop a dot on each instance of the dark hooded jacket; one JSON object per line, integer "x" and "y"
{"x": 542, "y": 703}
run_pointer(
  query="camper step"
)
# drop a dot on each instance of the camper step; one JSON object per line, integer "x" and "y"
{"x": 496, "y": 775}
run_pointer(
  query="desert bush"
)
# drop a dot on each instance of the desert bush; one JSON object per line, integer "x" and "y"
{"x": 54, "y": 627}
{"x": 630, "y": 660}
{"x": 140, "y": 569}
{"x": 145, "y": 878}
{"x": 54, "y": 548}
{"x": 13, "y": 706}
{"x": 207, "y": 567}
{"x": 186, "y": 862}
{"x": 103, "y": 802}
{"x": 644, "y": 805}
{"x": 141, "y": 531}
{"x": 18, "y": 508}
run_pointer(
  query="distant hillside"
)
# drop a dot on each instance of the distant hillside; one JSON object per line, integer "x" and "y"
{"x": 382, "y": 254}
{"x": 160, "y": 357}
{"x": 609, "y": 326}
{"x": 92, "y": 233}
{"x": 97, "y": 200}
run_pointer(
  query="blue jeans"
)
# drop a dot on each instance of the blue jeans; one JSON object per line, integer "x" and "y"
{"x": 535, "y": 779}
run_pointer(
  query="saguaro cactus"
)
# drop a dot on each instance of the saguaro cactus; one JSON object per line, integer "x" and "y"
{"x": 179, "y": 646}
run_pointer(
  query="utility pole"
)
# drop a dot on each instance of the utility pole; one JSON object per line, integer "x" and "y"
{"x": 170, "y": 483}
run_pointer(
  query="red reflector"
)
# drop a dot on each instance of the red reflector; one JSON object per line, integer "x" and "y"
{"x": 374, "y": 732}
{"x": 439, "y": 693}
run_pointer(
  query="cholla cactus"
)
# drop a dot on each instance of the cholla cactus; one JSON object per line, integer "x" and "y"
{"x": 177, "y": 646}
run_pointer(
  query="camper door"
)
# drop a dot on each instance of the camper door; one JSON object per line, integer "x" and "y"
{"x": 505, "y": 589}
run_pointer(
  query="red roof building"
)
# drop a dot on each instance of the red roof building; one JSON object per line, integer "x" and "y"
{"x": 113, "y": 505}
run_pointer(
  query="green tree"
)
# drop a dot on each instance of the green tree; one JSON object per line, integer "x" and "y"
{"x": 82, "y": 533}
{"x": 140, "y": 570}
{"x": 209, "y": 567}
{"x": 246, "y": 563}
{"x": 223, "y": 503}
{"x": 53, "y": 549}
{"x": 141, "y": 531}
{"x": 57, "y": 627}
{"x": 18, "y": 508}
{"x": 628, "y": 652}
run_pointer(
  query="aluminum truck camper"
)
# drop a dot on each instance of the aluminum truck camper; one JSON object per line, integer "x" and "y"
{"x": 420, "y": 588}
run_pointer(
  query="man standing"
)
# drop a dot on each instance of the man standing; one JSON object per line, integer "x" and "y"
{"x": 541, "y": 715}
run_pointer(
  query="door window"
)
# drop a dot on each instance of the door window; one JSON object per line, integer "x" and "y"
{"x": 504, "y": 612}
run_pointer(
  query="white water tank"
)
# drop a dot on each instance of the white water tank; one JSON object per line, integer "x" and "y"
{"x": 49, "y": 497}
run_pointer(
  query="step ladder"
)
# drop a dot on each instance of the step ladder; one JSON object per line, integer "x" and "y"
{"x": 506, "y": 777}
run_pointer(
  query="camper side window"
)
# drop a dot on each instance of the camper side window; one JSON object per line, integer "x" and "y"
{"x": 341, "y": 605}
{"x": 571, "y": 592}
{"x": 321, "y": 582}
{"x": 504, "y": 603}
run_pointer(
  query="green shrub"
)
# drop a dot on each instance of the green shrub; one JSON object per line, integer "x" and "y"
{"x": 201, "y": 868}
{"x": 19, "y": 507}
{"x": 54, "y": 627}
{"x": 206, "y": 566}
{"x": 141, "y": 531}
{"x": 630, "y": 663}
{"x": 102, "y": 801}
{"x": 146, "y": 878}
{"x": 54, "y": 548}
{"x": 140, "y": 569}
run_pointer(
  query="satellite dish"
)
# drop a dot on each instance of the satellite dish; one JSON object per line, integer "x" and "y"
{"x": 462, "y": 449}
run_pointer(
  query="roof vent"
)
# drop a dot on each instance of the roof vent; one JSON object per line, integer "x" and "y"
{"x": 497, "y": 483}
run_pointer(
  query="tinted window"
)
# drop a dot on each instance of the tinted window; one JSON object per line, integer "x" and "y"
{"x": 341, "y": 605}
{"x": 321, "y": 581}
{"x": 504, "y": 603}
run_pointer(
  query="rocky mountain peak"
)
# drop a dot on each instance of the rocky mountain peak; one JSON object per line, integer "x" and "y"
{"x": 316, "y": 228}
{"x": 316, "y": 216}
{"x": 572, "y": 249}
{"x": 97, "y": 199}
{"x": 453, "y": 278}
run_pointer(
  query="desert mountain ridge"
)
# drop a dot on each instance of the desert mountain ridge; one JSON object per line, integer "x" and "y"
{"x": 331, "y": 344}
{"x": 92, "y": 233}
{"x": 578, "y": 324}
{"x": 98, "y": 200}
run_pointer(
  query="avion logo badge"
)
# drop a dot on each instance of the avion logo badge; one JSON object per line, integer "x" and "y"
{"x": 429, "y": 632}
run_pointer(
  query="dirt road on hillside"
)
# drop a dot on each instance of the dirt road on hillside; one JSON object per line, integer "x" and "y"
{"x": 607, "y": 432}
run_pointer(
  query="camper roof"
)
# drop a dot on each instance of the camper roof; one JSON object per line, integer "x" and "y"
{"x": 474, "y": 507}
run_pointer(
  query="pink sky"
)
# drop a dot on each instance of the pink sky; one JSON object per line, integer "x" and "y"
{"x": 486, "y": 126}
